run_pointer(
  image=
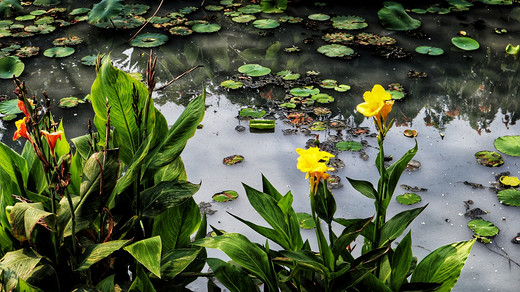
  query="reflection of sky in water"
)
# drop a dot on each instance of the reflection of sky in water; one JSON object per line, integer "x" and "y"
{"x": 464, "y": 97}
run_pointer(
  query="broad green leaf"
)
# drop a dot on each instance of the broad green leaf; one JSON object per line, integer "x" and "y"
{"x": 401, "y": 262}
{"x": 364, "y": 187}
{"x": 176, "y": 261}
{"x": 394, "y": 17}
{"x": 307, "y": 260}
{"x": 10, "y": 66}
{"x": 62, "y": 145}
{"x": 36, "y": 180}
{"x": 141, "y": 282}
{"x": 7, "y": 7}
{"x": 104, "y": 11}
{"x": 509, "y": 197}
{"x": 24, "y": 286}
{"x": 148, "y": 253}
{"x": 254, "y": 70}
{"x": 269, "y": 189}
{"x": 325, "y": 205}
{"x": 25, "y": 217}
{"x": 14, "y": 166}
{"x": 396, "y": 170}
{"x": 268, "y": 233}
{"x": 509, "y": 145}
{"x": 246, "y": 254}
{"x": 177, "y": 224}
{"x": 165, "y": 195}
{"x": 483, "y": 227}
{"x": 10, "y": 106}
{"x": 489, "y": 158}
{"x": 394, "y": 227}
{"x": 408, "y": 198}
{"x": 512, "y": 50}
{"x": 107, "y": 284}
{"x": 82, "y": 144}
{"x": 96, "y": 252}
{"x": 465, "y": 43}
{"x": 17, "y": 264}
{"x": 273, "y": 6}
{"x": 232, "y": 277}
{"x": 174, "y": 171}
{"x": 349, "y": 146}
{"x": 443, "y": 265}
{"x": 93, "y": 197}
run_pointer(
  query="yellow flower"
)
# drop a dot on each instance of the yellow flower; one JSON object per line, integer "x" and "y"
{"x": 375, "y": 100}
{"x": 313, "y": 162}
{"x": 21, "y": 129}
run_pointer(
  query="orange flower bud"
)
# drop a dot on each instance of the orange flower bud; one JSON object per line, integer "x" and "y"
{"x": 52, "y": 138}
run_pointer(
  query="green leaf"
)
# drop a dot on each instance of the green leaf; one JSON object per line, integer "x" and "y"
{"x": 364, "y": 187}
{"x": 10, "y": 66}
{"x": 254, "y": 70}
{"x": 335, "y": 50}
{"x": 231, "y": 84}
{"x": 10, "y": 106}
{"x": 165, "y": 195}
{"x": 400, "y": 262}
{"x": 394, "y": 17}
{"x": 177, "y": 224}
{"x": 509, "y": 197}
{"x": 225, "y": 196}
{"x": 305, "y": 220}
{"x": 396, "y": 170}
{"x": 304, "y": 91}
{"x": 465, "y": 43}
{"x": 408, "y": 199}
{"x": 443, "y": 265}
{"x": 149, "y": 40}
{"x": 394, "y": 227}
{"x": 59, "y": 52}
{"x": 141, "y": 282}
{"x": 25, "y": 217}
{"x": 269, "y": 189}
{"x": 107, "y": 284}
{"x": 245, "y": 253}
{"x": 206, "y": 27}
{"x": 306, "y": 260}
{"x": 148, "y": 253}
{"x": 483, "y": 227}
{"x": 489, "y": 158}
{"x": 96, "y": 252}
{"x": 273, "y": 6}
{"x": 232, "y": 277}
{"x": 353, "y": 228}
{"x": 104, "y": 11}
{"x": 251, "y": 112}
{"x": 7, "y": 7}
{"x": 509, "y": 145}
{"x": 427, "y": 50}
{"x": 325, "y": 205}
{"x": 319, "y": 17}
{"x": 268, "y": 233}
{"x": 14, "y": 166}
{"x": 17, "y": 264}
{"x": 177, "y": 260}
{"x": 349, "y": 146}
{"x": 266, "y": 23}
{"x": 512, "y": 50}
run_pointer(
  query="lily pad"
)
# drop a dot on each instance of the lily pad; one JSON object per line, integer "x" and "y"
{"x": 512, "y": 50}
{"x": 25, "y": 52}
{"x": 252, "y": 113}
{"x": 509, "y": 181}
{"x": 225, "y": 196}
{"x": 351, "y": 22}
{"x": 104, "y": 11}
{"x": 149, "y": 40}
{"x": 266, "y": 23}
{"x": 250, "y": 9}
{"x": 46, "y": 2}
{"x": 509, "y": 197}
{"x": 408, "y": 198}
{"x": 338, "y": 37}
{"x": 489, "y": 158}
{"x": 231, "y": 84}
{"x": 394, "y": 17}
{"x": 305, "y": 220}
{"x": 319, "y": 17}
{"x": 89, "y": 60}
{"x": 10, "y": 66}
{"x": 59, "y": 52}
{"x": 318, "y": 126}
{"x": 135, "y": 9}
{"x": 261, "y": 124}
{"x": 304, "y": 91}
{"x": 427, "y": 50}
{"x": 213, "y": 7}
{"x": 322, "y": 98}
{"x": 329, "y": 83}
{"x": 188, "y": 10}
{"x": 254, "y": 70}
{"x": 79, "y": 11}
{"x": 206, "y": 28}
{"x": 483, "y": 227}
{"x": 349, "y": 146}
{"x": 67, "y": 41}
{"x": 335, "y": 50}
{"x": 25, "y": 17}
{"x": 410, "y": 133}
{"x": 342, "y": 88}
{"x": 465, "y": 43}
{"x": 10, "y": 107}
{"x": 180, "y": 31}
{"x": 244, "y": 18}
{"x": 44, "y": 20}
{"x": 288, "y": 105}
{"x": 233, "y": 159}
{"x": 509, "y": 145}
{"x": 69, "y": 102}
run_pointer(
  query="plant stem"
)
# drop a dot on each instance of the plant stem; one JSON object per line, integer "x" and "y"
{"x": 73, "y": 219}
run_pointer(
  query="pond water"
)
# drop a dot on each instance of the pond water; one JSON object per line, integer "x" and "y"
{"x": 468, "y": 100}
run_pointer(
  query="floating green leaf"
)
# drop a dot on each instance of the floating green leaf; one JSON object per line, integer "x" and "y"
{"x": 304, "y": 91}
{"x": 79, "y": 11}
{"x": 180, "y": 30}
{"x": 67, "y": 41}
{"x": 46, "y": 2}
{"x": 10, "y": 66}
{"x": 58, "y": 52}
{"x": 25, "y": 17}
{"x": 509, "y": 197}
{"x": 266, "y": 23}
{"x": 509, "y": 145}
{"x": 250, "y": 9}
{"x": 213, "y": 7}
{"x": 69, "y": 102}
{"x": 252, "y": 113}
{"x": 262, "y": 124}
{"x": 7, "y": 7}
{"x": 254, "y": 70}
{"x": 244, "y": 18}
{"x": 206, "y": 28}
{"x": 335, "y": 50}
{"x": 342, "y": 88}
{"x": 329, "y": 83}
{"x": 233, "y": 159}
{"x": 89, "y": 60}
{"x": 351, "y": 22}
{"x": 10, "y": 107}
{"x": 225, "y": 196}
{"x": 349, "y": 146}
{"x": 322, "y": 98}
{"x": 489, "y": 158}
{"x": 408, "y": 199}
{"x": 512, "y": 50}
{"x": 306, "y": 221}
{"x": 104, "y": 11}
{"x": 231, "y": 84}
{"x": 483, "y": 227}
{"x": 319, "y": 17}
{"x": 149, "y": 40}
{"x": 394, "y": 17}
{"x": 465, "y": 43}
{"x": 427, "y": 50}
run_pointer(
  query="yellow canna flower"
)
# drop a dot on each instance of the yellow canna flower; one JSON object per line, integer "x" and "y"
{"x": 374, "y": 101}
{"x": 313, "y": 162}
{"x": 21, "y": 129}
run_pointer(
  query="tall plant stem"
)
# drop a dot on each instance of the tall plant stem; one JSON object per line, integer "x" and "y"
{"x": 73, "y": 219}
{"x": 380, "y": 201}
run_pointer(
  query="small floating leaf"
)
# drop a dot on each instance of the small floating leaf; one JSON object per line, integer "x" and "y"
{"x": 394, "y": 17}
{"x": 509, "y": 145}
{"x": 67, "y": 41}
{"x": 206, "y": 27}
{"x": 465, "y": 43}
{"x": 244, "y": 18}
{"x": 410, "y": 133}
{"x": 214, "y": 7}
{"x": 509, "y": 197}
{"x": 349, "y": 146}
{"x": 427, "y": 50}
{"x": 231, "y": 84}
{"x": 512, "y": 50}
{"x": 489, "y": 158}
{"x": 266, "y": 23}
{"x": 322, "y": 98}
{"x": 250, "y": 9}
{"x": 305, "y": 220}
{"x": 225, "y": 196}
{"x": 69, "y": 102}
{"x": 59, "y": 52}
{"x": 408, "y": 199}
{"x": 254, "y": 70}
{"x": 510, "y": 181}
{"x": 262, "y": 124}
{"x": 319, "y": 17}
{"x": 10, "y": 107}
{"x": 233, "y": 159}
{"x": 483, "y": 227}
{"x": 318, "y": 126}
{"x": 149, "y": 40}
{"x": 10, "y": 66}
{"x": 180, "y": 31}
{"x": 335, "y": 50}
{"x": 304, "y": 91}
{"x": 328, "y": 83}
{"x": 342, "y": 88}
{"x": 252, "y": 113}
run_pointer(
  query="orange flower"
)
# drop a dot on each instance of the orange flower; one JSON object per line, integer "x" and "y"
{"x": 52, "y": 138}
{"x": 21, "y": 129}
{"x": 21, "y": 106}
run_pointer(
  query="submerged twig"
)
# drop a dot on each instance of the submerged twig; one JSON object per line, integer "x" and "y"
{"x": 178, "y": 77}
{"x": 147, "y": 21}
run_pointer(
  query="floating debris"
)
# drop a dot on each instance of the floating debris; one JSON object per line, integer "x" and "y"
{"x": 225, "y": 196}
{"x": 413, "y": 189}
{"x": 333, "y": 182}
{"x": 413, "y": 165}
{"x": 205, "y": 208}
{"x": 233, "y": 159}
{"x": 474, "y": 185}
